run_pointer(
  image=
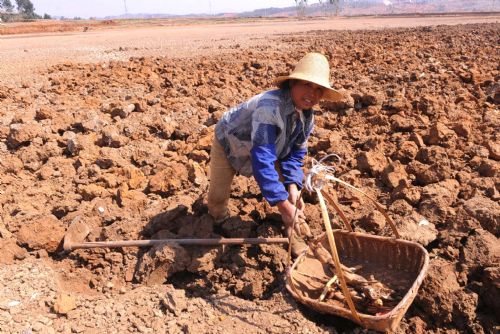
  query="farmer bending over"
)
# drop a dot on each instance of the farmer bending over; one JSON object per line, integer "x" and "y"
{"x": 266, "y": 137}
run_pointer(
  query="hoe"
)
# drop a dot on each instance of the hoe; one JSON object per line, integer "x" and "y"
{"x": 78, "y": 231}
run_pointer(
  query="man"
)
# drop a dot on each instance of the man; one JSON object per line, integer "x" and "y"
{"x": 266, "y": 137}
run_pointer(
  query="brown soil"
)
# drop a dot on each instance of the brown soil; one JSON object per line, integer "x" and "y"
{"x": 123, "y": 145}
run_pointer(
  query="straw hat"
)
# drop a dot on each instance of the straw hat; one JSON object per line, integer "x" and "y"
{"x": 313, "y": 67}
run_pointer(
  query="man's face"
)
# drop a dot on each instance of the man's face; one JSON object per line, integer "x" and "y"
{"x": 305, "y": 94}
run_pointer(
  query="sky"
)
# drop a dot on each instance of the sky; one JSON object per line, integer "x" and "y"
{"x": 101, "y": 8}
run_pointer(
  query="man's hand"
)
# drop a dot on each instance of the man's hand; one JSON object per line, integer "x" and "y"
{"x": 288, "y": 212}
{"x": 293, "y": 196}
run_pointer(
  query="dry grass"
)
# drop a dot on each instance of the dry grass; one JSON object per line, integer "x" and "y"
{"x": 50, "y": 26}
{"x": 55, "y": 26}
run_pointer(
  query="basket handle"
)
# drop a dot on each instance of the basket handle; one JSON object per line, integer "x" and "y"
{"x": 377, "y": 205}
{"x": 335, "y": 255}
{"x": 339, "y": 211}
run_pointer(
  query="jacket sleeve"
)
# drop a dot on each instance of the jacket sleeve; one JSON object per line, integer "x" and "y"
{"x": 291, "y": 167}
{"x": 263, "y": 156}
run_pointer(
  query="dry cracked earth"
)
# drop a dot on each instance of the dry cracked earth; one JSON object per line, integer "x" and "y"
{"x": 123, "y": 146}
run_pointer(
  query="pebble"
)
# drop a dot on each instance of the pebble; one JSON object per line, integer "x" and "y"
{"x": 38, "y": 327}
{"x": 77, "y": 328}
{"x": 99, "y": 309}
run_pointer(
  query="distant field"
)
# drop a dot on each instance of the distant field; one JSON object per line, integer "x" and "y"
{"x": 29, "y": 47}
{"x": 57, "y": 26}
{"x": 50, "y": 26}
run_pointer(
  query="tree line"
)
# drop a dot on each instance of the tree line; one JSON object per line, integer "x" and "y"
{"x": 23, "y": 9}
{"x": 302, "y": 4}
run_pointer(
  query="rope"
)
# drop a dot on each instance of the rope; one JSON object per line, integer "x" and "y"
{"x": 318, "y": 167}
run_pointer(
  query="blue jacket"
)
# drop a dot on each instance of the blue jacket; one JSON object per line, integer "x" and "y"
{"x": 262, "y": 131}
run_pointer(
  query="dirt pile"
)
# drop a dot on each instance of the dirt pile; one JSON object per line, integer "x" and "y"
{"x": 124, "y": 146}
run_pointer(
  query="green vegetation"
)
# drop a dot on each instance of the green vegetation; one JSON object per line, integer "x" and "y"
{"x": 23, "y": 10}
{"x": 302, "y": 4}
{"x": 26, "y": 9}
{"x": 6, "y": 5}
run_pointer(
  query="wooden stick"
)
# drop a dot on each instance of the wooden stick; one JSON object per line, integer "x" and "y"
{"x": 338, "y": 210}
{"x": 321, "y": 279}
{"x": 68, "y": 246}
{"x": 335, "y": 255}
{"x": 327, "y": 287}
{"x": 289, "y": 261}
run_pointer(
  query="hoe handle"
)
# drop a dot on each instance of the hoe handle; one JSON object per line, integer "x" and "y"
{"x": 68, "y": 246}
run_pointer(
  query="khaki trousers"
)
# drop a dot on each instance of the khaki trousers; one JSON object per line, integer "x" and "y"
{"x": 221, "y": 178}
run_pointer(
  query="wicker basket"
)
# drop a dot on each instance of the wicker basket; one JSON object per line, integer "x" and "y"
{"x": 399, "y": 264}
